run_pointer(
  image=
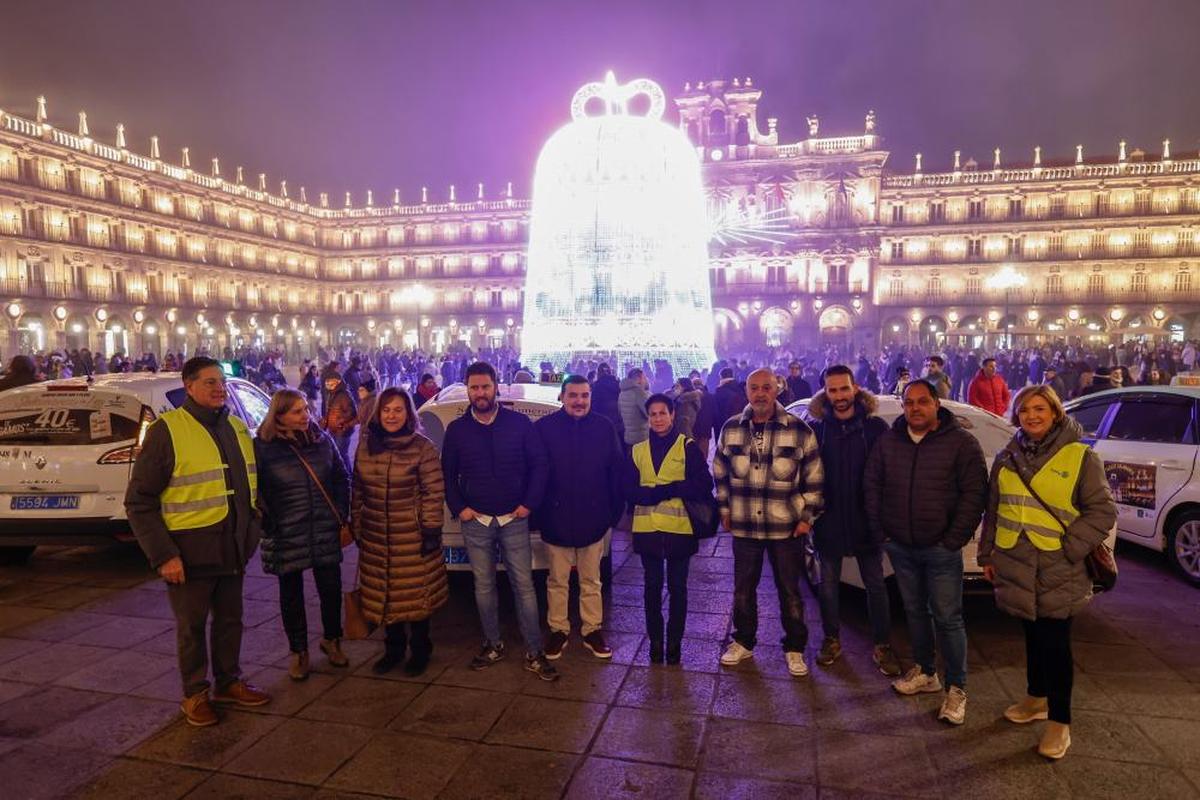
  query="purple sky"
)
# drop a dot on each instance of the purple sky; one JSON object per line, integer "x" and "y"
{"x": 350, "y": 94}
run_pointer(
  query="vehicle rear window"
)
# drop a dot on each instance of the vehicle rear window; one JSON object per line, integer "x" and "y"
{"x": 65, "y": 426}
{"x": 1163, "y": 420}
{"x": 1091, "y": 416}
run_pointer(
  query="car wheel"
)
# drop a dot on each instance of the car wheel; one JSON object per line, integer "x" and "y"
{"x": 812, "y": 565}
{"x": 1183, "y": 545}
{"x": 15, "y": 556}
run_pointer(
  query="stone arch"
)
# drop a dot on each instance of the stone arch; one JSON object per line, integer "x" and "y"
{"x": 776, "y": 326}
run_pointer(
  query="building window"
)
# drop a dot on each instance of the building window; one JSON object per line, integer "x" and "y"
{"x": 896, "y": 288}
{"x": 1055, "y": 246}
{"x": 1183, "y": 282}
{"x": 1141, "y": 243}
{"x": 933, "y": 289}
{"x": 974, "y": 248}
{"x": 1054, "y": 284}
{"x": 1058, "y": 207}
{"x": 937, "y": 211}
{"x": 1138, "y": 282}
{"x": 975, "y": 209}
{"x": 897, "y": 214}
{"x": 897, "y": 251}
{"x": 497, "y": 299}
{"x": 1095, "y": 285}
{"x": 1016, "y": 209}
{"x": 974, "y": 286}
{"x": 1016, "y": 246}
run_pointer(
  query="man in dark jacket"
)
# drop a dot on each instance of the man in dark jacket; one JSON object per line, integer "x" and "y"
{"x": 705, "y": 420}
{"x": 583, "y": 501}
{"x": 495, "y": 469}
{"x": 731, "y": 399}
{"x": 925, "y": 489}
{"x": 200, "y": 534}
{"x": 797, "y": 387}
{"x": 605, "y": 394}
{"x": 843, "y": 418}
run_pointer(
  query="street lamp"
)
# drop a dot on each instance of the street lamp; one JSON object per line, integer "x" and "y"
{"x": 1006, "y": 280}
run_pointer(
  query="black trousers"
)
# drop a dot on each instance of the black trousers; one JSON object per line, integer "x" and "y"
{"x": 786, "y": 556}
{"x": 398, "y": 636}
{"x": 1049, "y": 666}
{"x": 291, "y": 605}
{"x": 193, "y": 602}
{"x": 675, "y": 570}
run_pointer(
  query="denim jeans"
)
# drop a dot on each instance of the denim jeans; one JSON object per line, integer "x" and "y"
{"x": 291, "y": 605}
{"x": 517, "y": 553}
{"x": 676, "y": 574}
{"x": 870, "y": 566}
{"x": 931, "y": 584}
{"x": 786, "y": 556}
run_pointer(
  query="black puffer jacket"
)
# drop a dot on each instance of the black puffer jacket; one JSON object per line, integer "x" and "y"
{"x": 926, "y": 494}
{"x": 300, "y": 531}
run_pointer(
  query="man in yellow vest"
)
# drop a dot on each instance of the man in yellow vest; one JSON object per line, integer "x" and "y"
{"x": 192, "y": 504}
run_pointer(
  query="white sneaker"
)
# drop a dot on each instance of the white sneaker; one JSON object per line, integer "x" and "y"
{"x": 735, "y": 654}
{"x": 796, "y": 665}
{"x": 917, "y": 682}
{"x": 954, "y": 707}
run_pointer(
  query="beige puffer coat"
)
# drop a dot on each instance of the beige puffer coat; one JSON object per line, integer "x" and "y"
{"x": 397, "y": 492}
{"x": 1032, "y": 583}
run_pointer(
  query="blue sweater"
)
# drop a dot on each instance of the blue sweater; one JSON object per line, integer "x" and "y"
{"x": 493, "y": 468}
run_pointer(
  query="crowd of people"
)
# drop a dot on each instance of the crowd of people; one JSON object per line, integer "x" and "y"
{"x": 205, "y": 494}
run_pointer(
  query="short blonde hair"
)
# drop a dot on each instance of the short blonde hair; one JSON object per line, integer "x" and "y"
{"x": 1043, "y": 391}
{"x": 281, "y": 402}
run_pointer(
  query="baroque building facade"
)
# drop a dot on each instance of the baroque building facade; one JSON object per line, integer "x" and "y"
{"x": 815, "y": 241}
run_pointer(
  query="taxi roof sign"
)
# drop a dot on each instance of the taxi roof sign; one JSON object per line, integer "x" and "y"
{"x": 1186, "y": 379}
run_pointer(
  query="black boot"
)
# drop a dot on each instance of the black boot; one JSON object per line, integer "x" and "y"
{"x": 387, "y": 663}
{"x": 418, "y": 662}
{"x": 656, "y": 651}
{"x": 674, "y": 652}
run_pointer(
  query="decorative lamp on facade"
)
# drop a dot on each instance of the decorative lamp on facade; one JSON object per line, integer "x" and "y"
{"x": 181, "y": 330}
{"x": 200, "y": 320}
{"x": 1032, "y": 315}
{"x": 857, "y": 303}
{"x": 253, "y": 321}
{"x": 1073, "y": 314}
{"x": 915, "y": 317}
{"x": 151, "y": 329}
{"x": 101, "y": 314}
{"x": 60, "y": 313}
{"x": 425, "y": 322}
{"x": 818, "y": 304}
{"x": 1115, "y": 314}
{"x": 14, "y": 310}
{"x": 953, "y": 317}
{"x": 509, "y": 322}
{"x": 171, "y": 316}
{"x": 1159, "y": 314}
{"x": 370, "y": 324}
{"x": 139, "y": 316}
{"x": 993, "y": 316}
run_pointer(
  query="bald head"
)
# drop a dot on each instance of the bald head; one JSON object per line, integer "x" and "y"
{"x": 761, "y": 391}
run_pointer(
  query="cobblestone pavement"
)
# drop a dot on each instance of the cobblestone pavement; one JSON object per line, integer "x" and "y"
{"x": 89, "y": 694}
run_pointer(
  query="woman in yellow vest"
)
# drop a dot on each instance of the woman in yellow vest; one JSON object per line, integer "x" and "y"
{"x": 661, "y": 472}
{"x": 1048, "y": 507}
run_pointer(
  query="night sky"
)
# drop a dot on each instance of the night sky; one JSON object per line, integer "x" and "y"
{"x": 351, "y": 95}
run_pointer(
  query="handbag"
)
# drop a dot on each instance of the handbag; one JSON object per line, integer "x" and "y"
{"x": 1101, "y": 563}
{"x": 356, "y": 625}
{"x": 345, "y": 535}
{"x": 703, "y": 516}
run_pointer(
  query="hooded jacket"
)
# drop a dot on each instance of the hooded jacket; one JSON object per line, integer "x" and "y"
{"x": 1032, "y": 583}
{"x": 632, "y": 404}
{"x": 928, "y": 493}
{"x": 842, "y": 528}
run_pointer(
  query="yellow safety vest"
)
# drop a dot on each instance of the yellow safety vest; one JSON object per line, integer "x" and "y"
{"x": 1020, "y": 512}
{"x": 198, "y": 495}
{"x": 669, "y": 516}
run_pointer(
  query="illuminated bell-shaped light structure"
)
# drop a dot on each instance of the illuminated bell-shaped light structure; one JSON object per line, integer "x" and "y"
{"x": 618, "y": 262}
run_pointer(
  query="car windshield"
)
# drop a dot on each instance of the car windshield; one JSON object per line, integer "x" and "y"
{"x": 65, "y": 426}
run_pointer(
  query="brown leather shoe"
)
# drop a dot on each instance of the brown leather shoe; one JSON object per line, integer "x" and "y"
{"x": 242, "y": 694}
{"x": 298, "y": 666}
{"x": 332, "y": 648}
{"x": 198, "y": 710}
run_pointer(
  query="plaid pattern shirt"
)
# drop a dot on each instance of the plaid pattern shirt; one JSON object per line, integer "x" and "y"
{"x": 768, "y": 486}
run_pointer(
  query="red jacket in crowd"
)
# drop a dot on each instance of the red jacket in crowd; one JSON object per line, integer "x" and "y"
{"x": 991, "y": 394}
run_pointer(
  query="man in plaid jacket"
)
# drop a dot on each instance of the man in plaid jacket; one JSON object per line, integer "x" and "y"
{"x": 769, "y": 480}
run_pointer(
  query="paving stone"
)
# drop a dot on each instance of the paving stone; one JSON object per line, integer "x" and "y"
{"x": 10, "y": 690}
{"x": 16, "y": 592}
{"x": 167, "y": 686}
{"x": 1113, "y": 737}
{"x": 625, "y": 645}
{"x": 1176, "y": 738}
{"x": 288, "y": 696}
{"x": 51, "y": 663}
{"x": 452, "y": 711}
{"x": 300, "y": 751}
{"x": 1101, "y": 779}
{"x": 52, "y": 626}
{"x": 546, "y": 724}
{"x": 870, "y": 707}
{"x": 11, "y": 649}
{"x": 662, "y": 737}
{"x": 1161, "y": 698}
{"x": 697, "y": 655}
{"x": 114, "y": 727}
{"x": 787, "y": 702}
{"x": 362, "y": 701}
{"x": 211, "y": 747}
{"x": 123, "y": 632}
{"x": 40, "y": 710}
{"x": 1113, "y": 659}
{"x": 902, "y": 762}
{"x": 714, "y": 786}
{"x": 134, "y": 603}
{"x": 1087, "y": 692}
{"x": 602, "y": 778}
{"x": 36, "y": 771}
{"x": 128, "y": 779}
{"x": 760, "y": 750}
{"x": 508, "y": 675}
{"x": 235, "y": 787}
{"x": 1001, "y": 762}
{"x": 592, "y": 680}
{"x": 403, "y": 765}
{"x": 120, "y": 672}
{"x": 659, "y": 687}
{"x": 17, "y": 618}
{"x": 68, "y": 597}
{"x": 494, "y": 772}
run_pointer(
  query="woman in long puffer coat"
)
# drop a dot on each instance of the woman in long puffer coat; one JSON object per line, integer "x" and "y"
{"x": 302, "y": 521}
{"x": 1035, "y": 554}
{"x": 396, "y": 514}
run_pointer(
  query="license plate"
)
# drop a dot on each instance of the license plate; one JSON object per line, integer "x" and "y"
{"x": 44, "y": 502}
{"x": 456, "y": 555}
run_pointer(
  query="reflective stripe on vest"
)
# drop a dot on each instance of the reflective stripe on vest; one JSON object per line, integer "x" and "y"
{"x": 197, "y": 495}
{"x": 1020, "y": 512}
{"x": 669, "y": 516}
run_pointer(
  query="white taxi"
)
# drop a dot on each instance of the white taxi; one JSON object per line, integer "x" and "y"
{"x": 67, "y": 448}
{"x": 531, "y": 399}
{"x": 1148, "y": 437}
{"x": 993, "y": 433}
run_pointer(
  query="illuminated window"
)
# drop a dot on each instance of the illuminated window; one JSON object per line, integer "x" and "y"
{"x": 1054, "y": 284}
{"x": 1095, "y": 286}
{"x": 937, "y": 211}
{"x": 897, "y": 214}
{"x": 1183, "y": 282}
{"x": 897, "y": 251}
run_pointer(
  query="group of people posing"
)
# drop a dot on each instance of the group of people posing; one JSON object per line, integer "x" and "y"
{"x": 204, "y": 494}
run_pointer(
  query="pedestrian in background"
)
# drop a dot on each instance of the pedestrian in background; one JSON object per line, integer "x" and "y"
{"x": 660, "y": 474}
{"x": 1048, "y": 507}
{"x": 396, "y": 515}
{"x": 583, "y": 500}
{"x": 925, "y": 485}
{"x": 305, "y": 493}
{"x": 632, "y": 404}
{"x": 988, "y": 389}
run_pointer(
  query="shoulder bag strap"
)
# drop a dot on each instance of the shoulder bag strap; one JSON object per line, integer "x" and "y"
{"x": 320, "y": 488}
{"x": 1036, "y": 496}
